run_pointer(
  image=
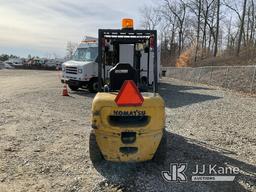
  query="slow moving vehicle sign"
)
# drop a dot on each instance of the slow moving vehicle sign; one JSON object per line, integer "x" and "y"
{"x": 129, "y": 95}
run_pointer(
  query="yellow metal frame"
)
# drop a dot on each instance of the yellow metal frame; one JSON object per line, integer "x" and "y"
{"x": 108, "y": 136}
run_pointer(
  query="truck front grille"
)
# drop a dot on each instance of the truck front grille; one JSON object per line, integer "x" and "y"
{"x": 71, "y": 70}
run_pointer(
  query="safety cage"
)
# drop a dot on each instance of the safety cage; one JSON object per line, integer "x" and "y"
{"x": 121, "y": 71}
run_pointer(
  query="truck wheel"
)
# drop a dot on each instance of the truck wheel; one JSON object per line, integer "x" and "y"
{"x": 94, "y": 150}
{"x": 93, "y": 85}
{"x": 73, "y": 87}
{"x": 161, "y": 153}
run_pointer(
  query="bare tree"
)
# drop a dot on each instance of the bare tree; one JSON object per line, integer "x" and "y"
{"x": 241, "y": 28}
{"x": 70, "y": 49}
{"x": 199, "y": 7}
{"x": 150, "y": 17}
{"x": 252, "y": 21}
{"x": 203, "y": 27}
{"x": 217, "y": 29}
{"x": 241, "y": 18}
{"x": 179, "y": 11}
{"x": 205, "y": 11}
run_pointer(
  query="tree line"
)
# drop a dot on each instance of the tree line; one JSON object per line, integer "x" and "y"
{"x": 202, "y": 29}
{"x": 5, "y": 57}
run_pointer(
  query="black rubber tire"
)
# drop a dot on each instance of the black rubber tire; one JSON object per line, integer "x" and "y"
{"x": 73, "y": 87}
{"x": 93, "y": 85}
{"x": 94, "y": 150}
{"x": 161, "y": 152}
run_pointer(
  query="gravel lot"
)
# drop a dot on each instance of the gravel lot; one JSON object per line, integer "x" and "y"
{"x": 44, "y": 138}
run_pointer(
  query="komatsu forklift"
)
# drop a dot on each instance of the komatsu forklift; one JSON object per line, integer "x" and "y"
{"x": 128, "y": 115}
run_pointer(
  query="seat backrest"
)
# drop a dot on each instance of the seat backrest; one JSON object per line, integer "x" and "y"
{"x": 119, "y": 73}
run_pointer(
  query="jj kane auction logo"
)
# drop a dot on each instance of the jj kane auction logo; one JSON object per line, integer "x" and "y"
{"x": 203, "y": 172}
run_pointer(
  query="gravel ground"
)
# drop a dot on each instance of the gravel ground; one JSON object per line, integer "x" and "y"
{"x": 44, "y": 138}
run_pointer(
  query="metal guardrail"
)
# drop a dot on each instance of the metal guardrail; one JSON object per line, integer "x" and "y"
{"x": 239, "y": 78}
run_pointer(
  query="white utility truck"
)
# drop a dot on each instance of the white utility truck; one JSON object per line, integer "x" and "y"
{"x": 82, "y": 70}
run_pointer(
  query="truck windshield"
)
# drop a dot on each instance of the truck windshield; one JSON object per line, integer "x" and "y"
{"x": 86, "y": 54}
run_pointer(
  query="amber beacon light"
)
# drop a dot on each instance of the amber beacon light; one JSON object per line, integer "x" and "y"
{"x": 127, "y": 23}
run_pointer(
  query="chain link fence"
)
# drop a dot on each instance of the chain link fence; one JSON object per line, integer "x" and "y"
{"x": 239, "y": 78}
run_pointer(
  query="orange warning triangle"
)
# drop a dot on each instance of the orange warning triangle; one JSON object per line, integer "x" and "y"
{"x": 129, "y": 95}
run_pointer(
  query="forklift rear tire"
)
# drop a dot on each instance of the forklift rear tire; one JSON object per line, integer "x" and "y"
{"x": 93, "y": 85}
{"x": 94, "y": 150}
{"x": 161, "y": 153}
{"x": 73, "y": 87}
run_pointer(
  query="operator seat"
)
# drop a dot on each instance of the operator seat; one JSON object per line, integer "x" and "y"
{"x": 119, "y": 73}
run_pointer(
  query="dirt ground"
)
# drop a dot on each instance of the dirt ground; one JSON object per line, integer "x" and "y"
{"x": 44, "y": 138}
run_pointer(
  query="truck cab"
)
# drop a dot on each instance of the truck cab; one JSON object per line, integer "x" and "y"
{"x": 81, "y": 71}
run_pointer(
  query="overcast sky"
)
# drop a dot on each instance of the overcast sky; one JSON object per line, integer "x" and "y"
{"x": 43, "y": 27}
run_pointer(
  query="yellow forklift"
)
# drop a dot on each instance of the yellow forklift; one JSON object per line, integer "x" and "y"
{"x": 128, "y": 115}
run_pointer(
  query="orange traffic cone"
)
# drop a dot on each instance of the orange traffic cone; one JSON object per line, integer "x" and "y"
{"x": 65, "y": 90}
